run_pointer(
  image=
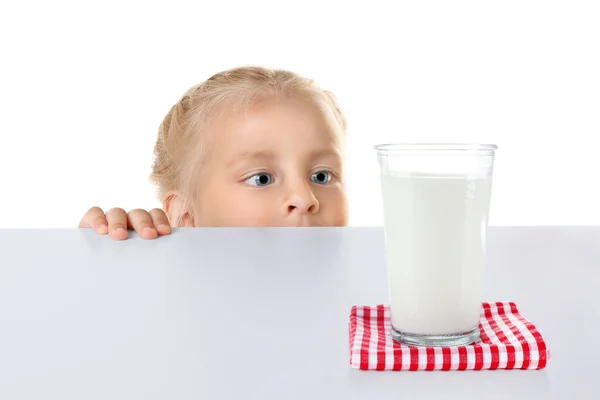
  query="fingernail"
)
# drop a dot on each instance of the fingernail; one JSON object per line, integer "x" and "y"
{"x": 148, "y": 231}
{"x": 120, "y": 230}
{"x": 163, "y": 227}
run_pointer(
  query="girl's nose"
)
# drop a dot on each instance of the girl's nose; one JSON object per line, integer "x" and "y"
{"x": 302, "y": 200}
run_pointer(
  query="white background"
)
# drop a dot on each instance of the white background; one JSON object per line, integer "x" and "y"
{"x": 84, "y": 86}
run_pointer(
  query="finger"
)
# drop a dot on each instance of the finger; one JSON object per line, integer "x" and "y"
{"x": 117, "y": 223}
{"x": 160, "y": 221}
{"x": 94, "y": 218}
{"x": 141, "y": 221}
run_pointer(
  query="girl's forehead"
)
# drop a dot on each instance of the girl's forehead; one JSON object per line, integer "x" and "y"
{"x": 269, "y": 133}
{"x": 272, "y": 120}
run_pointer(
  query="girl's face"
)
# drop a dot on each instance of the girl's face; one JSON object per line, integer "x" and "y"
{"x": 276, "y": 165}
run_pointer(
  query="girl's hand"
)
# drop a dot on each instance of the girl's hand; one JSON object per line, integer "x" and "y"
{"x": 116, "y": 222}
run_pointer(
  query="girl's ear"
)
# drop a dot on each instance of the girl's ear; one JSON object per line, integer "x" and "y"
{"x": 177, "y": 209}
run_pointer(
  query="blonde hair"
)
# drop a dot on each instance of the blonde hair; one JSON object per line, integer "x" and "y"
{"x": 178, "y": 149}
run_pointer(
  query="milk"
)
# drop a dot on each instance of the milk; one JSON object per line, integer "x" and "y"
{"x": 435, "y": 230}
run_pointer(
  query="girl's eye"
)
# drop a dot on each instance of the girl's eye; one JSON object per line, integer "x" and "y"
{"x": 260, "y": 180}
{"x": 321, "y": 177}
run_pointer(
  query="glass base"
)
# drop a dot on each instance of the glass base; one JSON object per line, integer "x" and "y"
{"x": 458, "y": 339}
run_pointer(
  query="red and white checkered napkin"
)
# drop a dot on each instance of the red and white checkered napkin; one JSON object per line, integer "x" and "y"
{"x": 508, "y": 341}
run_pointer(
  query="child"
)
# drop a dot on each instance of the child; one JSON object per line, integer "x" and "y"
{"x": 248, "y": 147}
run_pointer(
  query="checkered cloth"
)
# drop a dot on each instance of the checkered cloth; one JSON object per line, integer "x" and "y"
{"x": 508, "y": 341}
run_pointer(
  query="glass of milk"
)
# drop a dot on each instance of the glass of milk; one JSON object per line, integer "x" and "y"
{"x": 436, "y": 200}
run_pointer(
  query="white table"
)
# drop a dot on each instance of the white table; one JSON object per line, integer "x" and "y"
{"x": 263, "y": 314}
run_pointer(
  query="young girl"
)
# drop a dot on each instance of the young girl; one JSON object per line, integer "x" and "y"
{"x": 248, "y": 147}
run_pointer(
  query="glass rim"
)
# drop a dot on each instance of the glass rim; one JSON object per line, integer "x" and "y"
{"x": 453, "y": 147}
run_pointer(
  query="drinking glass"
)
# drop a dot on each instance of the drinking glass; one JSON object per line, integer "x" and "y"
{"x": 436, "y": 200}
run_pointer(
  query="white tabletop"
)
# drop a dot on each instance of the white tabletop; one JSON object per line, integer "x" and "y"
{"x": 263, "y": 314}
